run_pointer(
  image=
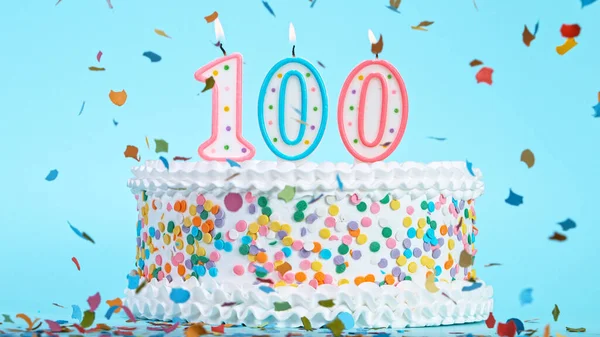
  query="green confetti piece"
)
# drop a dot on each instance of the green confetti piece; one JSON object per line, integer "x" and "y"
{"x": 161, "y": 145}
{"x": 282, "y": 306}
{"x": 287, "y": 194}
{"x": 209, "y": 84}
{"x": 306, "y": 324}
{"x": 272, "y": 243}
{"x": 7, "y": 319}
{"x": 385, "y": 199}
{"x": 575, "y": 329}
{"x": 88, "y": 319}
{"x": 336, "y": 326}
{"x": 555, "y": 312}
{"x": 326, "y": 303}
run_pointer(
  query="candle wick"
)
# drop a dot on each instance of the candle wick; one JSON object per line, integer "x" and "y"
{"x": 294, "y": 51}
{"x": 376, "y": 56}
{"x": 222, "y": 49}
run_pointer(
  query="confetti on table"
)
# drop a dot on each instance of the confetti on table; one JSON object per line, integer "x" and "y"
{"x": 54, "y": 327}
{"x": 164, "y": 161}
{"x": 326, "y": 303}
{"x": 575, "y": 329}
{"x": 490, "y": 322}
{"x": 81, "y": 110}
{"x": 421, "y": 26}
{"x": 473, "y": 286}
{"x": 507, "y": 330}
{"x": 492, "y": 265}
{"x": 161, "y": 145}
{"x": 52, "y": 175}
{"x": 567, "y": 224}
{"x": 282, "y": 306}
{"x": 74, "y": 259}
{"x": 394, "y": 4}
{"x": 287, "y": 194}
{"x": 212, "y": 17}
{"x": 475, "y": 63}
{"x": 513, "y": 198}
{"x": 76, "y": 313}
{"x": 232, "y": 163}
{"x": 484, "y": 75}
{"x": 152, "y": 56}
{"x": 470, "y": 168}
{"x": 268, "y": 7}
{"x": 161, "y": 33}
{"x": 176, "y": 158}
{"x": 81, "y": 234}
{"x": 266, "y": 290}
{"x": 439, "y": 139}
{"x": 306, "y": 323}
{"x": 209, "y": 84}
{"x": 558, "y": 237}
{"x": 218, "y": 329}
{"x": 336, "y": 327}
{"x": 94, "y": 301}
{"x": 430, "y": 284}
{"x": 195, "y": 330}
{"x": 555, "y": 312}
{"x": 96, "y": 68}
{"x": 179, "y": 295}
{"x": 528, "y": 158}
{"x": 586, "y": 3}
{"x": 118, "y": 97}
{"x": 99, "y": 55}
{"x": 339, "y": 182}
{"x": 132, "y": 152}
{"x": 526, "y": 296}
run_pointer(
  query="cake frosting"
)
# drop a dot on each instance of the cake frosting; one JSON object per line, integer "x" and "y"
{"x": 385, "y": 241}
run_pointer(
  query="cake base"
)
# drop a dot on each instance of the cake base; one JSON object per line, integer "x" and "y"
{"x": 371, "y": 305}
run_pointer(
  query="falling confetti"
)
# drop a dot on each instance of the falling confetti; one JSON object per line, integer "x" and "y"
{"x": 7, "y": 318}
{"x": 268, "y": 7}
{"x": 555, "y": 313}
{"x": 470, "y": 168}
{"x": 88, "y": 319}
{"x": 94, "y": 301}
{"x": 282, "y": 306}
{"x": 132, "y": 152}
{"x": 326, "y": 303}
{"x": 179, "y": 295}
{"x": 161, "y": 33}
{"x": 212, "y": 17}
{"x": 528, "y": 158}
{"x": 525, "y": 296}
{"x": 484, "y": 75}
{"x": 313, "y": 3}
{"x": 99, "y": 55}
{"x": 475, "y": 63}
{"x": 570, "y": 31}
{"x": 558, "y": 237}
{"x": 565, "y": 47}
{"x": 109, "y": 4}
{"x": 507, "y": 330}
{"x": 596, "y": 110}
{"x": 439, "y": 139}
{"x": 492, "y": 265}
{"x": 81, "y": 234}
{"x": 118, "y": 97}
{"x": 152, "y": 56}
{"x": 490, "y": 322}
{"x": 209, "y": 84}
{"x": 74, "y": 259}
{"x": 575, "y": 329}
{"x": 513, "y": 198}
{"x": 52, "y": 175}
{"x": 96, "y": 68}
{"x": 394, "y": 4}
{"x": 164, "y": 161}
{"x": 161, "y": 145}
{"x": 421, "y": 26}
{"x": 527, "y": 36}
{"x": 117, "y": 302}
{"x": 57, "y": 305}
{"x": 115, "y": 122}
{"x": 76, "y": 314}
{"x": 567, "y": 224}
{"x": 321, "y": 64}
{"x": 518, "y": 324}
{"x": 232, "y": 163}
{"x": 586, "y": 3}
{"x": 176, "y": 158}
{"x": 81, "y": 110}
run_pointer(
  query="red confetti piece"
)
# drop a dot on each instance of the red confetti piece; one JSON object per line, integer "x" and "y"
{"x": 74, "y": 259}
{"x": 54, "y": 327}
{"x": 128, "y": 313}
{"x": 99, "y": 55}
{"x": 490, "y": 322}
{"x": 79, "y": 328}
{"x": 219, "y": 329}
{"x": 484, "y": 75}
{"x": 507, "y": 330}
{"x": 94, "y": 301}
{"x": 570, "y": 31}
{"x": 171, "y": 328}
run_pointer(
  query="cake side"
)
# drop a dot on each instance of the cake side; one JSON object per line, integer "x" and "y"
{"x": 395, "y": 231}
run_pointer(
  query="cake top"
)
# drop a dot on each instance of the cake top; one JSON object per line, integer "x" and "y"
{"x": 451, "y": 179}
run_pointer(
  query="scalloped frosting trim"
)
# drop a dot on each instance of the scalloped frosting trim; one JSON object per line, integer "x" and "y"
{"x": 451, "y": 179}
{"x": 404, "y": 305}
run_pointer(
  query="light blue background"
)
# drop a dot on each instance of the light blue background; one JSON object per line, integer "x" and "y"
{"x": 539, "y": 100}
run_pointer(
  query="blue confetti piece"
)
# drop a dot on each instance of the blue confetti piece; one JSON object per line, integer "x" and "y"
{"x": 596, "y": 110}
{"x": 520, "y": 326}
{"x": 152, "y": 56}
{"x": 115, "y": 122}
{"x": 81, "y": 110}
{"x": 52, "y": 175}
{"x": 470, "y": 168}
{"x": 514, "y": 199}
{"x": 164, "y": 161}
{"x": 76, "y": 312}
{"x": 268, "y": 7}
{"x": 567, "y": 224}
{"x": 62, "y": 321}
{"x": 586, "y": 3}
{"x": 339, "y": 181}
{"x": 535, "y": 30}
{"x": 441, "y": 139}
{"x": 266, "y": 289}
{"x": 259, "y": 269}
{"x": 473, "y": 286}
{"x": 313, "y": 3}
{"x": 525, "y": 296}
{"x": 77, "y": 231}
{"x": 233, "y": 163}
{"x": 346, "y": 319}
{"x": 179, "y": 295}
{"x": 111, "y": 311}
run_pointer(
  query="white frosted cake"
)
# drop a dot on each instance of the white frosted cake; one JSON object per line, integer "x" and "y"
{"x": 391, "y": 244}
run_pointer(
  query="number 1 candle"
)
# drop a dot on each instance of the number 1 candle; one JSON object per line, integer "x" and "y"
{"x": 226, "y": 141}
{"x": 292, "y": 107}
{"x": 374, "y": 89}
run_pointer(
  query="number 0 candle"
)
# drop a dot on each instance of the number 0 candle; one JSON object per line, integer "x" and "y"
{"x": 226, "y": 141}
{"x": 375, "y": 89}
{"x": 292, "y": 107}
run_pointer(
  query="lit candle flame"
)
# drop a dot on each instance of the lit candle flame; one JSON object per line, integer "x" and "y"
{"x": 219, "y": 33}
{"x": 292, "y": 34}
{"x": 372, "y": 37}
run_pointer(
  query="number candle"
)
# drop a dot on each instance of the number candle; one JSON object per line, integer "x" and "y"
{"x": 292, "y": 107}
{"x": 374, "y": 88}
{"x": 226, "y": 141}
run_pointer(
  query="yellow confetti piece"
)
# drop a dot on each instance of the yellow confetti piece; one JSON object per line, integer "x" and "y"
{"x": 161, "y": 33}
{"x": 565, "y": 47}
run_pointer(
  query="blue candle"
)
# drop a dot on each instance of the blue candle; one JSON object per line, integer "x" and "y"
{"x": 292, "y": 107}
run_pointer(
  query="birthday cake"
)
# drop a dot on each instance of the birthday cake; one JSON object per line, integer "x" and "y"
{"x": 391, "y": 244}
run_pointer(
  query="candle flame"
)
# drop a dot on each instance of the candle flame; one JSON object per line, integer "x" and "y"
{"x": 372, "y": 37}
{"x": 219, "y": 33}
{"x": 292, "y": 34}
